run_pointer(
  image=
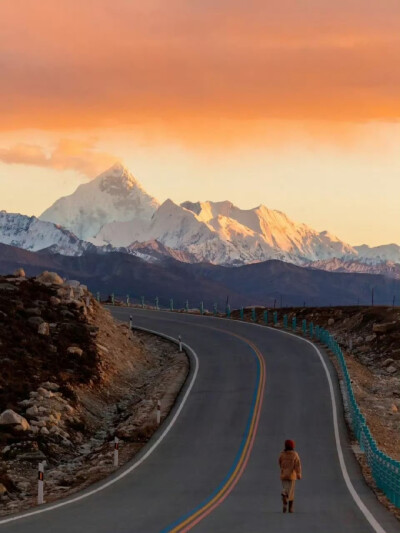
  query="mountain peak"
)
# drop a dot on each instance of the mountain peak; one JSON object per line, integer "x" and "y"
{"x": 117, "y": 180}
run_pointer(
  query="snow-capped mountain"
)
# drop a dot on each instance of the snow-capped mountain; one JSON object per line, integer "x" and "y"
{"x": 378, "y": 254}
{"x": 115, "y": 195}
{"x": 33, "y": 234}
{"x": 221, "y": 233}
{"x": 113, "y": 211}
{"x": 359, "y": 266}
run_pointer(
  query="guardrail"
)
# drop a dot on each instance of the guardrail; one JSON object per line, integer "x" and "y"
{"x": 384, "y": 469}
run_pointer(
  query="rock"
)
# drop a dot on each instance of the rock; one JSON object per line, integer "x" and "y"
{"x": 11, "y": 418}
{"x": 391, "y": 369}
{"x": 49, "y": 385}
{"x": 49, "y": 278}
{"x": 44, "y": 329}
{"x": 384, "y": 328}
{"x": 35, "y": 320}
{"x": 3, "y": 489}
{"x": 73, "y": 283}
{"x": 33, "y": 311}
{"x": 38, "y": 423}
{"x": 394, "y": 408}
{"x": 387, "y": 362}
{"x": 19, "y": 273}
{"x": 54, "y": 301}
{"x": 32, "y": 411}
{"x": 45, "y": 393}
{"x": 44, "y": 431}
{"x": 331, "y": 321}
{"x": 67, "y": 314}
{"x": 32, "y": 456}
{"x": 370, "y": 338}
{"x": 74, "y": 350}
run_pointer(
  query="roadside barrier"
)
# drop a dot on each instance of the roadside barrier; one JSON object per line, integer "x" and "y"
{"x": 384, "y": 469}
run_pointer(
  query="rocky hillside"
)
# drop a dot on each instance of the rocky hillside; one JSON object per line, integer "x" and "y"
{"x": 71, "y": 379}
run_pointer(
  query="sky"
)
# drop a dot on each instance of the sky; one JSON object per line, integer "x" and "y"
{"x": 295, "y": 105}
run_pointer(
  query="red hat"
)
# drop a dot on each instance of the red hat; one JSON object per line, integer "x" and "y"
{"x": 289, "y": 444}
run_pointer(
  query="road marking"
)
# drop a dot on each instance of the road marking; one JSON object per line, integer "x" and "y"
{"x": 137, "y": 463}
{"x": 195, "y": 516}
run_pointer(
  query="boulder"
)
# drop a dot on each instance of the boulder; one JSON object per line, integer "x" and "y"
{"x": 3, "y": 489}
{"x": 73, "y": 283}
{"x": 44, "y": 431}
{"x": 331, "y": 321}
{"x": 11, "y": 418}
{"x": 74, "y": 350}
{"x": 49, "y": 278}
{"x": 387, "y": 362}
{"x": 44, "y": 329}
{"x": 54, "y": 301}
{"x": 49, "y": 385}
{"x": 35, "y": 320}
{"x": 32, "y": 411}
{"x": 391, "y": 369}
{"x": 370, "y": 338}
{"x": 19, "y": 273}
{"x": 384, "y": 328}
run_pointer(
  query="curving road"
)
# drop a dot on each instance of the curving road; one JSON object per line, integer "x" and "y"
{"x": 214, "y": 468}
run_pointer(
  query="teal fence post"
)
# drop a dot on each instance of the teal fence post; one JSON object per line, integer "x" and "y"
{"x": 201, "y": 308}
{"x": 171, "y": 304}
{"x": 142, "y": 300}
{"x": 253, "y": 314}
{"x": 294, "y": 323}
{"x": 241, "y": 313}
{"x": 285, "y": 321}
{"x": 317, "y": 333}
{"x": 127, "y": 299}
{"x": 304, "y": 326}
{"x": 311, "y": 329}
{"x": 113, "y": 298}
{"x": 266, "y": 317}
{"x": 275, "y": 317}
{"x": 228, "y": 311}
{"x": 187, "y": 306}
{"x": 156, "y": 302}
{"x": 215, "y": 309}
{"x": 98, "y": 297}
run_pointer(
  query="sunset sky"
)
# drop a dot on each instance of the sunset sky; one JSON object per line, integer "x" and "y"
{"x": 293, "y": 104}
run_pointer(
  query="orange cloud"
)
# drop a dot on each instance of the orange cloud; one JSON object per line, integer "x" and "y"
{"x": 67, "y": 155}
{"x": 191, "y": 68}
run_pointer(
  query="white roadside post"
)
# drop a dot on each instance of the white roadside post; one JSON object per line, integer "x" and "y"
{"x": 130, "y": 322}
{"x": 180, "y": 343}
{"x": 116, "y": 446}
{"x": 40, "y": 499}
{"x": 158, "y": 412}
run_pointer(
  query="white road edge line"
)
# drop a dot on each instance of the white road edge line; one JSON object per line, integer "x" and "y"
{"x": 141, "y": 460}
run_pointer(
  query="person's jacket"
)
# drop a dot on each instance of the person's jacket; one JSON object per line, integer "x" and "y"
{"x": 289, "y": 462}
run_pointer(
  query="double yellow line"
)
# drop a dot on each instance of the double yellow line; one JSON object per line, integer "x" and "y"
{"x": 198, "y": 514}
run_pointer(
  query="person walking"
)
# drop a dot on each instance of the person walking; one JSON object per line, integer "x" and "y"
{"x": 290, "y": 465}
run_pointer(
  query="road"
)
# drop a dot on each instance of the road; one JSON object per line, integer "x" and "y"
{"x": 214, "y": 468}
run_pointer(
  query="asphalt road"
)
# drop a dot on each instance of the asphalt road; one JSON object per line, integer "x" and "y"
{"x": 215, "y": 470}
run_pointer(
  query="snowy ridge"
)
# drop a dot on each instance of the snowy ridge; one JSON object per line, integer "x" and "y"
{"x": 359, "y": 266}
{"x": 33, "y": 234}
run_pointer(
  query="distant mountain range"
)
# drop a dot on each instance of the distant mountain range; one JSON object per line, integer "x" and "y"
{"x": 114, "y": 213}
{"x": 267, "y": 283}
